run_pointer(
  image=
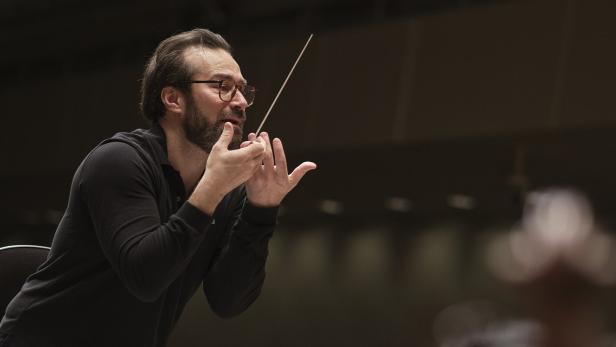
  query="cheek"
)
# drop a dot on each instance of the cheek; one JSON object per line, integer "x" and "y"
{"x": 212, "y": 111}
{"x": 206, "y": 115}
{"x": 208, "y": 104}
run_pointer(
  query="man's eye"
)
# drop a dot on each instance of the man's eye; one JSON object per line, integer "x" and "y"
{"x": 226, "y": 86}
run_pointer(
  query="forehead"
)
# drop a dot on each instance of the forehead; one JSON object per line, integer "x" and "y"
{"x": 207, "y": 62}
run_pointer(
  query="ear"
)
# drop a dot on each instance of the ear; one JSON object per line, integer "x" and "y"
{"x": 173, "y": 100}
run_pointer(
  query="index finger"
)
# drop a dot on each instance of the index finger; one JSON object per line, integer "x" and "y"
{"x": 252, "y": 149}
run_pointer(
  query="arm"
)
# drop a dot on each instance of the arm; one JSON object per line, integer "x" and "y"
{"x": 120, "y": 193}
{"x": 146, "y": 254}
{"x": 119, "y": 190}
{"x": 236, "y": 279}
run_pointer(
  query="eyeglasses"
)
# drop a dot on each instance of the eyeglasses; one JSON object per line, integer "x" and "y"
{"x": 227, "y": 90}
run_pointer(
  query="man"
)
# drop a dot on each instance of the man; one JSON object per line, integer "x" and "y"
{"x": 154, "y": 214}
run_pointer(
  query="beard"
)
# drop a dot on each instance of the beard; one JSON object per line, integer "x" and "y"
{"x": 202, "y": 133}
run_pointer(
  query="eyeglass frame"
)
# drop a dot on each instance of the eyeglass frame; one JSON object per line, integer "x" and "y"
{"x": 235, "y": 89}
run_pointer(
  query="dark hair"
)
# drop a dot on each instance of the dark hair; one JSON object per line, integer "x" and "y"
{"x": 167, "y": 67}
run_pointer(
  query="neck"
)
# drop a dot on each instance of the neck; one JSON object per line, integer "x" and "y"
{"x": 187, "y": 158}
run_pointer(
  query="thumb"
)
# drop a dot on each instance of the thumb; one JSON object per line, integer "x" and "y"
{"x": 300, "y": 171}
{"x": 226, "y": 136}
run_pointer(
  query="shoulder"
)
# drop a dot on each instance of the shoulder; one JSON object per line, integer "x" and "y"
{"x": 115, "y": 164}
{"x": 113, "y": 154}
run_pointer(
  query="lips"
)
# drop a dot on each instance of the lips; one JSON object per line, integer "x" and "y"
{"x": 235, "y": 117}
{"x": 233, "y": 121}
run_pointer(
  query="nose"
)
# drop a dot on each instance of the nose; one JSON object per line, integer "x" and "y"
{"x": 239, "y": 101}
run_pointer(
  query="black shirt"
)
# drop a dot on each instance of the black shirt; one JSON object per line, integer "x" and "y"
{"x": 130, "y": 252}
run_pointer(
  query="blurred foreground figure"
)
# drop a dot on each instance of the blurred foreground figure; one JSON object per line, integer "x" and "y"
{"x": 154, "y": 214}
{"x": 561, "y": 264}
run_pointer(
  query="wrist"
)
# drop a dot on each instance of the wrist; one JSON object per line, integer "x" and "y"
{"x": 206, "y": 197}
{"x": 256, "y": 204}
{"x": 263, "y": 204}
{"x": 256, "y": 215}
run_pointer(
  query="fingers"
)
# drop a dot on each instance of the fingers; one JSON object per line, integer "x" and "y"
{"x": 252, "y": 149}
{"x": 226, "y": 136}
{"x": 249, "y": 140}
{"x": 281, "y": 159}
{"x": 268, "y": 159}
{"x": 300, "y": 171}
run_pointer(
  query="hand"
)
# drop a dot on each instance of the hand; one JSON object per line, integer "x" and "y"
{"x": 271, "y": 181}
{"x": 226, "y": 169}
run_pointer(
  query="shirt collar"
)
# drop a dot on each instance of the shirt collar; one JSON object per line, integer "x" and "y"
{"x": 159, "y": 137}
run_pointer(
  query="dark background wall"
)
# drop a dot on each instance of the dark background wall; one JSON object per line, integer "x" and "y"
{"x": 429, "y": 120}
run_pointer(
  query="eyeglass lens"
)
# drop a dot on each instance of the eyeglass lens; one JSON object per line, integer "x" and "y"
{"x": 228, "y": 90}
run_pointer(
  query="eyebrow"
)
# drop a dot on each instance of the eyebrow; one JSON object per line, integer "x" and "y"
{"x": 228, "y": 77}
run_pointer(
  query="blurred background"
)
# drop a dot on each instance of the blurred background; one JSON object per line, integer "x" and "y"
{"x": 430, "y": 121}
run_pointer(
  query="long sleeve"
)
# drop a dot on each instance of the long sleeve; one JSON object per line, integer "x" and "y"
{"x": 235, "y": 280}
{"x": 123, "y": 202}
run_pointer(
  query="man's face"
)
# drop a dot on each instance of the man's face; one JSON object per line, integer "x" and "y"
{"x": 205, "y": 112}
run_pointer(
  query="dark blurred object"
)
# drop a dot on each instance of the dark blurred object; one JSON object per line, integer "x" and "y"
{"x": 16, "y": 264}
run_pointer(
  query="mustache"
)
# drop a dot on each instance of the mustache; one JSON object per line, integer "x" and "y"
{"x": 234, "y": 112}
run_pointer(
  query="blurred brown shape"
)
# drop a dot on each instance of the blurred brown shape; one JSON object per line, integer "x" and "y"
{"x": 560, "y": 262}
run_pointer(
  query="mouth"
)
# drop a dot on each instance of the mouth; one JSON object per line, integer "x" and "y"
{"x": 235, "y": 121}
